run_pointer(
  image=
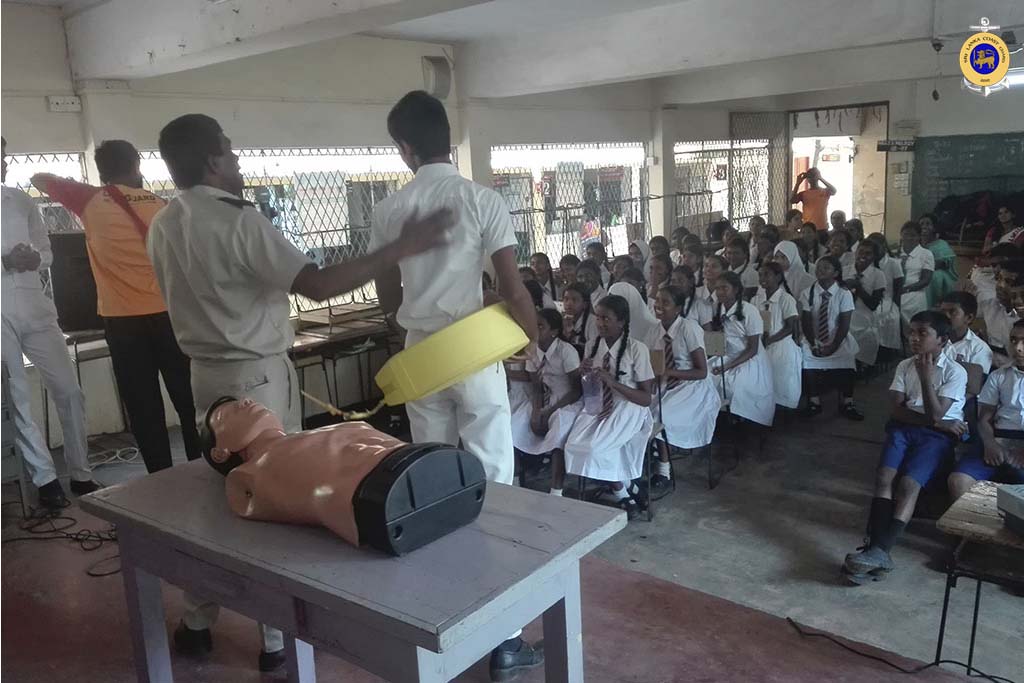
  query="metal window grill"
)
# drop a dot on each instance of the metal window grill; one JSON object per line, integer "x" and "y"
{"x": 563, "y": 197}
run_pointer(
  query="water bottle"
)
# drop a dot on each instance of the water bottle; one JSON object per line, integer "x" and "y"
{"x": 593, "y": 394}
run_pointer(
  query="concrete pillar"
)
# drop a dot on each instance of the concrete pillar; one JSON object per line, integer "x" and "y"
{"x": 474, "y": 147}
{"x": 661, "y": 170}
{"x": 99, "y": 98}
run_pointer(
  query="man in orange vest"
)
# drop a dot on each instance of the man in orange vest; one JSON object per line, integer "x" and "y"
{"x": 813, "y": 200}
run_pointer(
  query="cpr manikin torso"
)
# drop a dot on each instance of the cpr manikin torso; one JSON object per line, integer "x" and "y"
{"x": 312, "y": 477}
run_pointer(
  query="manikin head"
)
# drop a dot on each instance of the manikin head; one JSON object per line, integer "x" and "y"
{"x": 231, "y": 426}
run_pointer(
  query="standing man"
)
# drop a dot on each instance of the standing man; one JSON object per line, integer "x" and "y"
{"x": 226, "y": 273}
{"x": 138, "y": 330}
{"x": 433, "y": 290}
{"x": 814, "y": 200}
{"x": 30, "y": 328}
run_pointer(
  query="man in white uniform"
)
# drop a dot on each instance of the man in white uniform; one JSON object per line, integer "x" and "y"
{"x": 30, "y": 328}
{"x": 433, "y": 290}
{"x": 226, "y": 272}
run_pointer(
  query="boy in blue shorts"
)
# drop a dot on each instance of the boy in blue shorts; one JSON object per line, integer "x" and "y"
{"x": 927, "y": 418}
{"x": 1000, "y": 456}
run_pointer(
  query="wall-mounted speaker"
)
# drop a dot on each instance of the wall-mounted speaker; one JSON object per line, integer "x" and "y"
{"x": 437, "y": 76}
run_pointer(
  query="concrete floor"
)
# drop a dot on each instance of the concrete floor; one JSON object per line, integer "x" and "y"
{"x": 774, "y": 532}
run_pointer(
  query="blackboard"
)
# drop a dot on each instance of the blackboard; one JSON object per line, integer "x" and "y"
{"x": 962, "y": 164}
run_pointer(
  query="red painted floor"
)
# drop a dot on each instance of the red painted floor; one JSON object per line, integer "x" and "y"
{"x": 61, "y": 625}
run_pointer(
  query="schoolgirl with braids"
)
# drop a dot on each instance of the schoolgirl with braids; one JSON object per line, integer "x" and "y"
{"x": 829, "y": 349}
{"x": 689, "y": 403}
{"x": 714, "y": 267}
{"x": 778, "y": 309}
{"x": 578, "y": 321}
{"x": 542, "y": 425}
{"x": 541, "y": 265}
{"x": 660, "y": 273}
{"x": 742, "y": 376}
{"x": 588, "y": 274}
{"x": 610, "y": 446}
{"x": 693, "y": 258}
{"x": 693, "y": 308}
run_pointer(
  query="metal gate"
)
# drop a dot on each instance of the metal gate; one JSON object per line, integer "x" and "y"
{"x": 759, "y": 164}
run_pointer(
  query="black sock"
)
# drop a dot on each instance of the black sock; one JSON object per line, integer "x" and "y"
{"x": 880, "y": 517}
{"x": 886, "y": 539}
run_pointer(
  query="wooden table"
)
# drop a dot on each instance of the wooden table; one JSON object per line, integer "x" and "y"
{"x": 988, "y": 552}
{"x": 426, "y": 616}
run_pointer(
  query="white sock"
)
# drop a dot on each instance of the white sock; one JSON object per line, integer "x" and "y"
{"x": 515, "y": 481}
{"x": 815, "y": 400}
{"x": 620, "y": 494}
{"x": 556, "y": 492}
{"x": 664, "y": 469}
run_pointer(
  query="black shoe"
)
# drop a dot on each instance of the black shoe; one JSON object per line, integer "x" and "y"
{"x": 193, "y": 643}
{"x": 811, "y": 410}
{"x": 513, "y": 657}
{"x": 272, "y": 661}
{"x": 51, "y": 495}
{"x": 851, "y": 412}
{"x": 631, "y": 508}
{"x": 80, "y": 488}
{"x": 661, "y": 486}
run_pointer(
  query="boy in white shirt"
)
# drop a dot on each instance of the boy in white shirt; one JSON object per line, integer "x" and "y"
{"x": 927, "y": 419}
{"x": 967, "y": 347}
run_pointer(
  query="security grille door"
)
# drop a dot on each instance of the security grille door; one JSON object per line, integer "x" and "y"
{"x": 759, "y": 162}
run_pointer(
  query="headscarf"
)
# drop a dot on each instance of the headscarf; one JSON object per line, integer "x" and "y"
{"x": 797, "y": 277}
{"x": 641, "y": 318}
{"x": 645, "y": 253}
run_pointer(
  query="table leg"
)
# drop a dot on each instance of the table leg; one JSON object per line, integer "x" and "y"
{"x": 563, "y": 634}
{"x": 945, "y": 610}
{"x": 301, "y": 668}
{"x": 146, "y": 620}
{"x": 974, "y": 628}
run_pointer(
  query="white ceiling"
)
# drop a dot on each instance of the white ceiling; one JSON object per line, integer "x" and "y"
{"x": 508, "y": 17}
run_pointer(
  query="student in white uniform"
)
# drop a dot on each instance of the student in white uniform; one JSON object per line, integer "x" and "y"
{"x": 918, "y": 265}
{"x": 541, "y": 265}
{"x": 787, "y": 255}
{"x": 687, "y": 403}
{"x": 782, "y": 330}
{"x": 743, "y": 377}
{"x": 738, "y": 256}
{"x": 840, "y": 245}
{"x": 755, "y": 226}
{"x": 588, "y": 274}
{"x": 966, "y": 347}
{"x": 597, "y": 255}
{"x": 433, "y": 290}
{"x": 693, "y": 258}
{"x": 867, "y": 284}
{"x": 610, "y": 445}
{"x": 542, "y": 425}
{"x": 693, "y": 308}
{"x": 641, "y": 317}
{"x": 888, "y": 311}
{"x": 1001, "y": 312}
{"x": 620, "y": 264}
{"x": 30, "y": 329}
{"x": 829, "y": 349}
{"x": 660, "y": 275}
{"x": 714, "y": 267}
{"x": 226, "y": 272}
{"x": 640, "y": 255}
{"x": 567, "y": 266}
{"x": 579, "y": 325}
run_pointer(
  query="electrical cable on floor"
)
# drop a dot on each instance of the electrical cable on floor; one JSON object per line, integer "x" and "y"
{"x": 977, "y": 673}
{"x": 50, "y": 525}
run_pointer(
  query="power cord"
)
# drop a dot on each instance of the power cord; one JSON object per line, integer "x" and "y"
{"x": 977, "y": 672}
{"x": 50, "y": 525}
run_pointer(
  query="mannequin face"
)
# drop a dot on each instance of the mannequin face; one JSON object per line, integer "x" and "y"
{"x": 236, "y": 424}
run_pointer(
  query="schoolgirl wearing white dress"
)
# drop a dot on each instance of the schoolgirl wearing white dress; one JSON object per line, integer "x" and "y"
{"x": 641, "y": 316}
{"x": 542, "y": 425}
{"x": 738, "y": 256}
{"x": 918, "y": 265}
{"x": 541, "y": 265}
{"x": 588, "y": 274}
{"x": 610, "y": 446}
{"x": 787, "y": 255}
{"x": 829, "y": 349}
{"x": 597, "y": 255}
{"x": 888, "y": 312}
{"x": 743, "y": 376}
{"x": 579, "y": 324}
{"x": 782, "y": 330}
{"x": 839, "y": 245}
{"x": 693, "y": 258}
{"x": 694, "y": 309}
{"x": 867, "y": 284}
{"x": 659, "y": 275}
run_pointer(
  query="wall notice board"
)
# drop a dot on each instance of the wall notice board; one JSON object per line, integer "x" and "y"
{"x": 962, "y": 164}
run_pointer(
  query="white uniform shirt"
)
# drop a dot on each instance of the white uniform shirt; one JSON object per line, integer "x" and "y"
{"x": 584, "y": 336}
{"x": 872, "y": 279}
{"x": 737, "y": 331}
{"x": 920, "y": 259}
{"x": 949, "y": 379}
{"x": 1004, "y": 389}
{"x": 893, "y": 271}
{"x": 998, "y": 322}
{"x": 635, "y": 367}
{"x": 840, "y": 301}
{"x": 971, "y": 349}
{"x": 443, "y": 285}
{"x": 22, "y": 224}
{"x": 687, "y": 336}
{"x": 225, "y": 273}
{"x": 748, "y": 275}
{"x": 596, "y": 296}
{"x": 561, "y": 359}
{"x": 699, "y": 311}
{"x": 781, "y": 305}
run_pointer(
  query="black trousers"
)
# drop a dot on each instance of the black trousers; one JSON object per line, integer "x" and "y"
{"x": 143, "y": 349}
{"x": 818, "y": 381}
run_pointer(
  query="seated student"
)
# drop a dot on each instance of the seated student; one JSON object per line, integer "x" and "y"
{"x": 888, "y": 312}
{"x": 918, "y": 266}
{"x": 610, "y": 446}
{"x": 790, "y": 229}
{"x": 813, "y": 249}
{"x": 968, "y": 348}
{"x": 855, "y": 229}
{"x": 542, "y": 425}
{"x": 639, "y": 254}
{"x": 1001, "y": 312}
{"x": 588, "y": 274}
{"x": 693, "y": 258}
{"x": 567, "y": 266}
{"x": 782, "y": 330}
{"x": 839, "y": 245}
{"x": 714, "y": 267}
{"x": 867, "y": 284}
{"x": 688, "y": 404}
{"x": 541, "y": 265}
{"x": 541, "y": 299}
{"x": 1001, "y": 415}
{"x": 694, "y": 309}
{"x": 579, "y": 325}
{"x": 659, "y": 247}
{"x": 738, "y": 256}
{"x": 743, "y": 376}
{"x": 766, "y": 244}
{"x": 983, "y": 275}
{"x": 596, "y": 254}
{"x": 620, "y": 264}
{"x": 660, "y": 273}
{"x": 798, "y": 279}
{"x": 755, "y": 225}
{"x": 679, "y": 235}
{"x": 634, "y": 290}
{"x": 927, "y": 419}
{"x": 829, "y": 349}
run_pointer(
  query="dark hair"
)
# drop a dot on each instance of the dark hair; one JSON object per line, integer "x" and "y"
{"x": 115, "y": 159}
{"x": 597, "y": 245}
{"x": 536, "y": 293}
{"x": 759, "y": 219}
{"x": 742, "y": 245}
{"x": 554, "y": 320}
{"x": 589, "y": 265}
{"x": 622, "y": 258}
{"x": 930, "y": 216}
{"x": 875, "y": 248}
{"x": 879, "y": 239}
{"x": 585, "y": 296}
{"x": 777, "y": 269}
{"x": 721, "y": 261}
{"x": 186, "y": 145}
{"x": 697, "y": 250}
{"x": 935, "y": 320}
{"x": 854, "y": 225}
{"x": 717, "y": 229}
{"x": 659, "y": 239}
{"x": 620, "y": 309}
{"x": 569, "y": 258}
{"x": 912, "y": 226}
{"x": 550, "y": 284}
{"x": 836, "y": 265}
{"x": 664, "y": 260}
{"x": 688, "y": 273}
{"x": 689, "y": 238}
{"x": 680, "y": 233}
{"x": 967, "y": 302}
{"x": 527, "y": 270}
{"x": 1006, "y": 250}
{"x": 1015, "y": 266}
{"x": 733, "y": 280}
{"x": 637, "y": 275}
{"x": 845, "y": 235}
{"x": 420, "y": 121}
{"x": 793, "y": 213}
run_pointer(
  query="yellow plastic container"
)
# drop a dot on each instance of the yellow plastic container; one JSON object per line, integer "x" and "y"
{"x": 451, "y": 355}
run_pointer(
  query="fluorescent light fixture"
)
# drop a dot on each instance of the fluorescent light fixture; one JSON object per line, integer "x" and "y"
{"x": 1015, "y": 77}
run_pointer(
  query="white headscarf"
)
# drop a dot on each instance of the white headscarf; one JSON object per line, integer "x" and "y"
{"x": 641, "y": 318}
{"x": 797, "y": 277}
{"x": 645, "y": 251}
